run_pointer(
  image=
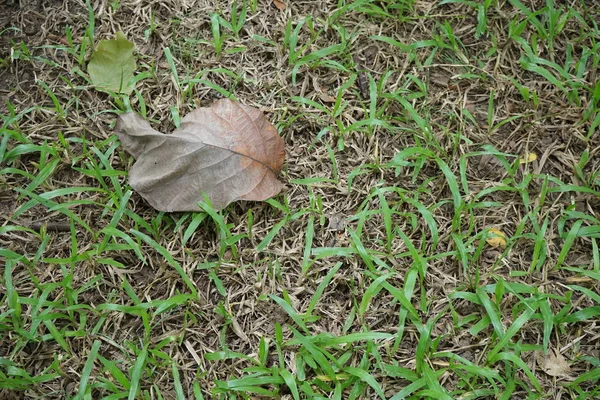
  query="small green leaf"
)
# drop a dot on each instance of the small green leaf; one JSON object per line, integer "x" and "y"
{"x": 112, "y": 65}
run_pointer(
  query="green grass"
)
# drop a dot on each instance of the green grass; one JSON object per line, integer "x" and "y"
{"x": 407, "y": 301}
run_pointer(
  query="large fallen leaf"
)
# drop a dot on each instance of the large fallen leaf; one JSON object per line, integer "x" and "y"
{"x": 228, "y": 151}
{"x": 112, "y": 65}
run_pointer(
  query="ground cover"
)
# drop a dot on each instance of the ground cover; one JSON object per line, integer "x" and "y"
{"x": 437, "y": 236}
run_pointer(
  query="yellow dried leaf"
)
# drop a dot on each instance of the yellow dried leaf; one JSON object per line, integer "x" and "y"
{"x": 496, "y": 238}
{"x": 527, "y": 158}
{"x": 327, "y": 378}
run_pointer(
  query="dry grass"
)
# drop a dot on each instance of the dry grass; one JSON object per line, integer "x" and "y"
{"x": 465, "y": 103}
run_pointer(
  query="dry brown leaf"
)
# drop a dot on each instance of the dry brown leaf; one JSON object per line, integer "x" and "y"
{"x": 237, "y": 329}
{"x": 228, "y": 151}
{"x": 554, "y": 364}
{"x": 279, "y": 4}
{"x": 336, "y": 223}
{"x": 496, "y": 238}
{"x": 327, "y": 98}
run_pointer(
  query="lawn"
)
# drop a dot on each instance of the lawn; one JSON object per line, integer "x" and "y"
{"x": 437, "y": 236}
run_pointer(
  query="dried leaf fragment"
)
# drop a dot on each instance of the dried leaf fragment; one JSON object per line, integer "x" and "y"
{"x": 527, "y": 158}
{"x": 496, "y": 238}
{"x": 362, "y": 81}
{"x": 228, "y": 151}
{"x": 279, "y": 4}
{"x": 554, "y": 364}
{"x": 237, "y": 329}
{"x": 327, "y": 98}
{"x": 336, "y": 223}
